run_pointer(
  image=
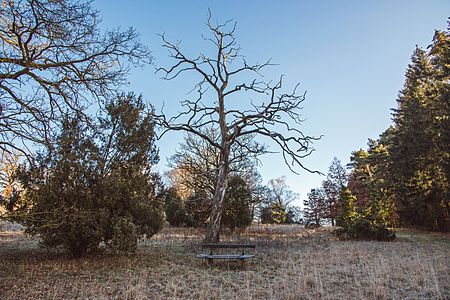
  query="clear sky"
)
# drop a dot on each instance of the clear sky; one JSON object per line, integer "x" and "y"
{"x": 350, "y": 57}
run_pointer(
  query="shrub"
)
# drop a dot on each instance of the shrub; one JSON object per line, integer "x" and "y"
{"x": 175, "y": 211}
{"x": 96, "y": 189}
{"x": 236, "y": 211}
{"x": 198, "y": 208}
{"x": 274, "y": 213}
{"x": 365, "y": 223}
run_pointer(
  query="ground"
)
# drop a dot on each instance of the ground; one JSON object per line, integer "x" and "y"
{"x": 291, "y": 263}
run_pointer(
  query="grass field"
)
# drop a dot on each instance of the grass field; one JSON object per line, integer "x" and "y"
{"x": 291, "y": 263}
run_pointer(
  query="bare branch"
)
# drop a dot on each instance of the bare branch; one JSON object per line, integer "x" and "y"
{"x": 274, "y": 115}
{"x": 54, "y": 61}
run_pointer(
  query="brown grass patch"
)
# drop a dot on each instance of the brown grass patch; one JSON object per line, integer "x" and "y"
{"x": 291, "y": 263}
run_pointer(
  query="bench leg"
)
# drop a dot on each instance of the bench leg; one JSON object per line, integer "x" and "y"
{"x": 210, "y": 261}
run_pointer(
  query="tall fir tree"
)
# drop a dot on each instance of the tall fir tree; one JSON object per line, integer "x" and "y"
{"x": 420, "y": 144}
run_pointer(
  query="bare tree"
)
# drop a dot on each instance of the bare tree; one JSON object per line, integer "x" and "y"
{"x": 277, "y": 202}
{"x": 196, "y": 162}
{"x": 54, "y": 61}
{"x": 275, "y": 115}
{"x": 280, "y": 193}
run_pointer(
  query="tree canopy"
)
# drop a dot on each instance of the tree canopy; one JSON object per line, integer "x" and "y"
{"x": 55, "y": 61}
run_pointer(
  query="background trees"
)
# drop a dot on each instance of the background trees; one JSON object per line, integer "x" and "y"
{"x": 195, "y": 170}
{"x": 264, "y": 117}
{"x": 196, "y": 163}
{"x": 419, "y": 149}
{"x": 332, "y": 188}
{"x": 323, "y": 204}
{"x": 55, "y": 61}
{"x": 369, "y": 213}
{"x": 275, "y": 208}
{"x": 404, "y": 175}
{"x": 315, "y": 210}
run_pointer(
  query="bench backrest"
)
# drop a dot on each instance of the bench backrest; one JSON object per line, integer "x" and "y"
{"x": 228, "y": 246}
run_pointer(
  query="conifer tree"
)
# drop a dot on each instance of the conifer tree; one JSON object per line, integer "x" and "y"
{"x": 420, "y": 151}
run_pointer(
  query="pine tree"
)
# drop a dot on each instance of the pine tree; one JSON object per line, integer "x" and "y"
{"x": 420, "y": 151}
{"x": 336, "y": 181}
{"x": 314, "y": 207}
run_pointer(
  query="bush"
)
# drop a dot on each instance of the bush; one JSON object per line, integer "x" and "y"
{"x": 198, "y": 208}
{"x": 236, "y": 211}
{"x": 175, "y": 211}
{"x": 363, "y": 223}
{"x": 92, "y": 190}
{"x": 274, "y": 213}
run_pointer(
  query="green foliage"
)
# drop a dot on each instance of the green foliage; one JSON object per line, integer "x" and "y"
{"x": 278, "y": 197}
{"x": 94, "y": 189}
{"x": 418, "y": 169}
{"x": 237, "y": 199}
{"x": 274, "y": 213}
{"x": 198, "y": 208}
{"x": 368, "y": 209}
{"x": 421, "y": 141}
{"x": 175, "y": 210}
{"x": 362, "y": 223}
{"x": 314, "y": 210}
{"x": 332, "y": 187}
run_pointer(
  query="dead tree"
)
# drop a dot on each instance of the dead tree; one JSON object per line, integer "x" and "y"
{"x": 55, "y": 61}
{"x": 196, "y": 163}
{"x": 275, "y": 115}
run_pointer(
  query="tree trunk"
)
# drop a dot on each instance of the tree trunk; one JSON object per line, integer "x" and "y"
{"x": 213, "y": 229}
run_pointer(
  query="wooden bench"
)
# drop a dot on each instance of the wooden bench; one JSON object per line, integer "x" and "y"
{"x": 227, "y": 252}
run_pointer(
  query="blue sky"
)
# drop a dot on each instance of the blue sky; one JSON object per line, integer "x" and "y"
{"x": 350, "y": 57}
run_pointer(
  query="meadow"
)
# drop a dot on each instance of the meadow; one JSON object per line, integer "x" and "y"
{"x": 291, "y": 263}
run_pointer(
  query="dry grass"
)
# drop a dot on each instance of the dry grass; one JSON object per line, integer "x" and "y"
{"x": 291, "y": 263}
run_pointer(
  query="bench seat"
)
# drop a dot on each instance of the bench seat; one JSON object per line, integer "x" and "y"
{"x": 227, "y": 252}
{"x": 225, "y": 256}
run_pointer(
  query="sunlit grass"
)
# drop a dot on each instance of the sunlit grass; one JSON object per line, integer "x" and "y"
{"x": 291, "y": 263}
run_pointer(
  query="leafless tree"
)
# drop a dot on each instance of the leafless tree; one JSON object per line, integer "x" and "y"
{"x": 280, "y": 193}
{"x": 274, "y": 115}
{"x": 196, "y": 162}
{"x": 54, "y": 61}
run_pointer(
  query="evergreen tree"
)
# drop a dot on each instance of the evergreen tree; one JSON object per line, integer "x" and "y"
{"x": 420, "y": 144}
{"x": 175, "y": 210}
{"x": 371, "y": 181}
{"x": 332, "y": 187}
{"x": 198, "y": 207}
{"x": 96, "y": 188}
{"x": 237, "y": 210}
{"x": 314, "y": 207}
{"x": 366, "y": 223}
